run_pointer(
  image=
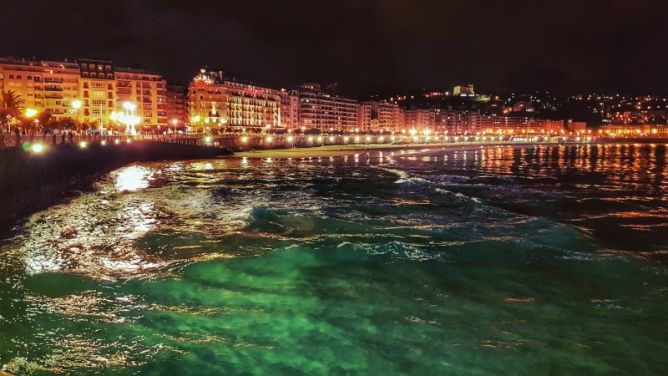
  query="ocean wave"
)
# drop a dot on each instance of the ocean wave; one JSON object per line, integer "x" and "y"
{"x": 395, "y": 249}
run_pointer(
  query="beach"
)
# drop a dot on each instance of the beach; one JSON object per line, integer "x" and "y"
{"x": 346, "y": 150}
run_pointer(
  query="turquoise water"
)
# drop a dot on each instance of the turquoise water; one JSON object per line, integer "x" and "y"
{"x": 489, "y": 261}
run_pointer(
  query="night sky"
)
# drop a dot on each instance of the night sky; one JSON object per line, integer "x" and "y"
{"x": 375, "y": 46}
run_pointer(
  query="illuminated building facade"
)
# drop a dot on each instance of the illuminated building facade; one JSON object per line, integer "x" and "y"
{"x": 216, "y": 101}
{"x": 387, "y": 116}
{"x": 289, "y": 116}
{"x": 325, "y": 112}
{"x": 45, "y": 86}
{"x": 177, "y": 106}
{"x": 147, "y": 90}
{"x": 364, "y": 118}
{"x": 98, "y": 91}
{"x": 576, "y": 126}
{"x": 419, "y": 119}
{"x": 463, "y": 90}
{"x": 88, "y": 91}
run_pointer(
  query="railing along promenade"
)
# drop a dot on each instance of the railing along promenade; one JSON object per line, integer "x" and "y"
{"x": 236, "y": 142}
{"x": 240, "y": 142}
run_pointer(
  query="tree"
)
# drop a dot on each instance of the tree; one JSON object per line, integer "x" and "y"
{"x": 11, "y": 106}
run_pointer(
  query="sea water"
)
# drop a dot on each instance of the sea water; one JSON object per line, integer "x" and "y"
{"x": 478, "y": 261}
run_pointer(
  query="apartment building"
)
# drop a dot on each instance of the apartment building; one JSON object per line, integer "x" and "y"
{"x": 147, "y": 90}
{"x": 326, "y": 112}
{"x": 177, "y": 106}
{"x": 45, "y": 86}
{"x": 85, "y": 90}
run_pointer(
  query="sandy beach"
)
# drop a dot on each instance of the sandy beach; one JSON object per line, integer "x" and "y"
{"x": 344, "y": 150}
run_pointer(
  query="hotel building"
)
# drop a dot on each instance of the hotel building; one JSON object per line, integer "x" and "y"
{"x": 216, "y": 101}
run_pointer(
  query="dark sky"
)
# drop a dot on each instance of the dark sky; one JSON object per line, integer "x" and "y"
{"x": 366, "y": 46}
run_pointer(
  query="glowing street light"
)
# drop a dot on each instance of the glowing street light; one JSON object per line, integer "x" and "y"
{"x": 129, "y": 119}
{"x": 31, "y": 112}
{"x": 37, "y": 148}
{"x": 76, "y": 105}
{"x": 83, "y": 144}
{"x": 129, "y": 106}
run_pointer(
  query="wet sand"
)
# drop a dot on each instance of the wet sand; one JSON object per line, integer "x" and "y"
{"x": 343, "y": 150}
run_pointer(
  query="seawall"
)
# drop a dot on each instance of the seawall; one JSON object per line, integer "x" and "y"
{"x": 32, "y": 181}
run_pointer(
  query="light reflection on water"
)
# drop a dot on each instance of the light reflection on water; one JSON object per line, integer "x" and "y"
{"x": 131, "y": 178}
{"x": 471, "y": 261}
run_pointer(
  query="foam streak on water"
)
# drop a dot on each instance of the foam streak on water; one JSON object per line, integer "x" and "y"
{"x": 484, "y": 261}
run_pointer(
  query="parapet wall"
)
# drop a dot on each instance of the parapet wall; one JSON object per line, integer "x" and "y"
{"x": 32, "y": 181}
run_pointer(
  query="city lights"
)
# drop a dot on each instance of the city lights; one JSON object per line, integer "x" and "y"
{"x": 37, "y": 148}
{"x": 31, "y": 112}
{"x": 333, "y": 187}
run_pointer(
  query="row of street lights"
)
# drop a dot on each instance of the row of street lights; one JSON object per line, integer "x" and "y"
{"x": 127, "y": 117}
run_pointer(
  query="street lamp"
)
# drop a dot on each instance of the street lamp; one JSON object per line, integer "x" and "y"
{"x": 129, "y": 118}
{"x": 31, "y": 113}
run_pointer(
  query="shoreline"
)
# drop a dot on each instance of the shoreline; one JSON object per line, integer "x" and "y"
{"x": 30, "y": 183}
{"x": 348, "y": 150}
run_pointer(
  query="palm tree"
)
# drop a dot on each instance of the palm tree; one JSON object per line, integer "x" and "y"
{"x": 11, "y": 106}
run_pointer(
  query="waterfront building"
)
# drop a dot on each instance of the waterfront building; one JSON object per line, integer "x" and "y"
{"x": 217, "y": 101}
{"x": 365, "y": 118}
{"x": 97, "y": 91}
{"x": 387, "y": 116}
{"x": 419, "y": 119}
{"x": 147, "y": 90}
{"x": 88, "y": 91}
{"x": 177, "y": 106}
{"x": 634, "y": 130}
{"x": 576, "y": 126}
{"x": 44, "y": 86}
{"x": 289, "y": 115}
{"x": 460, "y": 122}
{"x": 326, "y": 112}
